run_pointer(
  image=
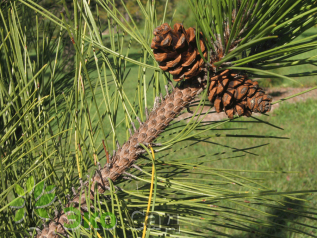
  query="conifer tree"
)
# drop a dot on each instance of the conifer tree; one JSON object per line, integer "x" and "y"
{"x": 92, "y": 138}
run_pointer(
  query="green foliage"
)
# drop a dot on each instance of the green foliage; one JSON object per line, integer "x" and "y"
{"x": 302, "y": 73}
{"x": 264, "y": 31}
{"x": 55, "y": 116}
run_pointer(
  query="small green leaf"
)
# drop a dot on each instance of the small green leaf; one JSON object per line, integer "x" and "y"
{"x": 19, "y": 190}
{"x": 45, "y": 200}
{"x": 50, "y": 189}
{"x": 42, "y": 213}
{"x": 38, "y": 190}
{"x": 17, "y": 203}
{"x": 19, "y": 215}
{"x": 30, "y": 183}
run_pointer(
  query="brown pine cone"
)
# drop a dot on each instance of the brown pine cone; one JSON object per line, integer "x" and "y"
{"x": 236, "y": 94}
{"x": 176, "y": 51}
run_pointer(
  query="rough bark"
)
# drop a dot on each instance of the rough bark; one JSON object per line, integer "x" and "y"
{"x": 158, "y": 120}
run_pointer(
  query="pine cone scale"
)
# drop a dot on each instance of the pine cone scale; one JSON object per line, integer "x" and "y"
{"x": 226, "y": 100}
{"x": 173, "y": 63}
{"x": 167, "y": 41}
{"x": 212, "y": 94}
{"x": 177, "y": 71}
{"x": 251, "y": 91}
{"x": 181, "y": 42}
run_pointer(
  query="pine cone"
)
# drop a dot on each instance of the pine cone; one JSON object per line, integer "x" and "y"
{"x": 236, "y": 94}
{"x": 176, "y": 51}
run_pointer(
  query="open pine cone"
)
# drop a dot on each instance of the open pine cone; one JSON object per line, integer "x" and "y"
{"x": 236, "y": 94}
{"x": 176, "y": 51}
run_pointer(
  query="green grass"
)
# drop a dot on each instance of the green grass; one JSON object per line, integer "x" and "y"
{"x": 298, "y": 153}
{"x": 293, "y": 160}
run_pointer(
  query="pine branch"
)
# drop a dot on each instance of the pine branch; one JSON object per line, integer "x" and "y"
{"x": 124, "y": 158}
